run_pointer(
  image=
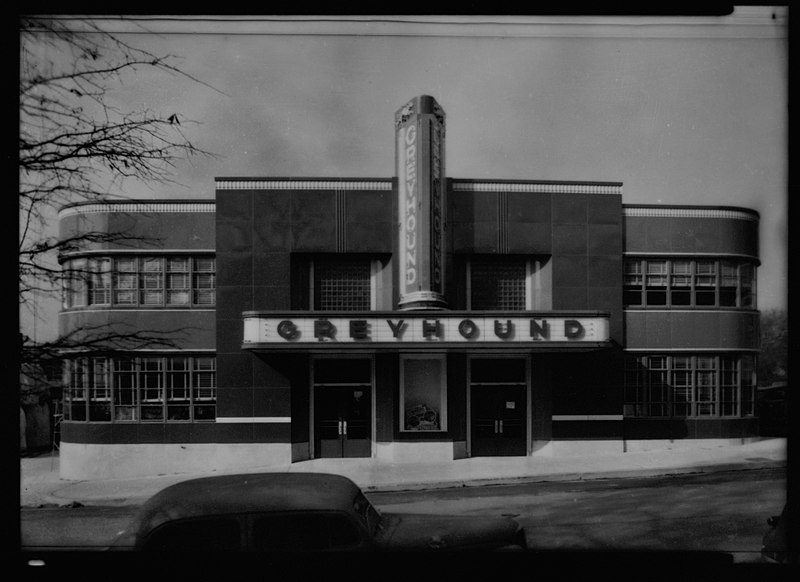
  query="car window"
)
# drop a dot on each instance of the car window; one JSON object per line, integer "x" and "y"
{"x": 196, "y": 535}
{"x": 367, "y": 512}
{"x": 304, "y": 531}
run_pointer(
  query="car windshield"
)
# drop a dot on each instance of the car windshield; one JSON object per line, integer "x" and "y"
{"x": 367, "y": 512}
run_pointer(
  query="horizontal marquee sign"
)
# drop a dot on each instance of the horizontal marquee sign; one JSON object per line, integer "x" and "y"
{"x": 406, "y": 329}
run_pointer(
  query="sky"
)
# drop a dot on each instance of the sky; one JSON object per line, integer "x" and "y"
{"x": 680, "y": 110}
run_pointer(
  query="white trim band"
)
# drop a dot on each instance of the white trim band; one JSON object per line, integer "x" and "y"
{"x": 688, "y": 213}
{"x": 587, "y": 417}
{"x": 255, "y": 419}
{"x": 303, "y": 185}
{"x": 139, "y": 207}
{"x": 534, "y": 187}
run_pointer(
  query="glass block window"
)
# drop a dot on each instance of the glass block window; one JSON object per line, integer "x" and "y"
{"x": 498, "y": 283}
{"x": 342, "y": 284}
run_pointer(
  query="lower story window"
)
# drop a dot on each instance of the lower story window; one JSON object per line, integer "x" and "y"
{"x": 147, "y": 389}
{"x": 423, "y": 393}
{"x": 682, "y": 385}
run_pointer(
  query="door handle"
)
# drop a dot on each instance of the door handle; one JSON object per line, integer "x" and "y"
{"x": 501, "y": 427}
{"x": 340, "y": 428}
{"x": 495, "y": 427}
{"x": 344, "y": 423}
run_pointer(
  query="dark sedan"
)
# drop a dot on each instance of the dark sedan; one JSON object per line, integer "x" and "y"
{"x": 281, "y": 512}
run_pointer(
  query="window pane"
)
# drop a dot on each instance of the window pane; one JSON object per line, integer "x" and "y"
{"x": 205, "y": 280}
{"x": 125, "y": 400}
{"x": 100, "y": 282}
{"x": 100, "y": 392}
{"x": 681, "y": 283}
{"x": 151, "y": 281}
{"x": 124, "y": 277}
{"x": 633, "y": 282}
{"x": 747, "y": 273}
{"x": 705, "y": 283}
{"x": 207, "y": 534}
{"x": 728, "y": 284}
{"x": 656, "y": 283}
{"x": 204, "y": 383}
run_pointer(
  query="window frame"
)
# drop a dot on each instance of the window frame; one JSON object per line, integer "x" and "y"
{"x": 124, "y": 281}
{"x": 442, "y": 412}
{"x": 127, "y": 393}
{"x": 705, "y": 277}
{"x": 690, "y": 369}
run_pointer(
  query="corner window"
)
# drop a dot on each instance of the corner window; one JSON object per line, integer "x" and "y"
{"x": 687, "y": 283}
{"x": 151, "y": 281}
{"x": 682, "y": 386}
{"x": 151, "y": 389}
{"x": 423, "y": 393}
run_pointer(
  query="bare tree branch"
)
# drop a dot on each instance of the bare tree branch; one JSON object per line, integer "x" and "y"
{"x": 76, "y": 145}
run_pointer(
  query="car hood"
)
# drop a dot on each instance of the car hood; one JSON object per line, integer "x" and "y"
{"x": 447, "y": 532}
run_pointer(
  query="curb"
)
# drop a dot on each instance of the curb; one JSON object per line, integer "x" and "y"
{"x": 577, "y": 476}
{"x": 47, "y": 500}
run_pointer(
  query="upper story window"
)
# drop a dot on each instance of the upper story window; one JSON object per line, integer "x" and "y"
{"x": 343, "y": 283}
{"x": 147, "y": 281}
{"x": 507, "y": 283}
{"x": 686, "y": 283}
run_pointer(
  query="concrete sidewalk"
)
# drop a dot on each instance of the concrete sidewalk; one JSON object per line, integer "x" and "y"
{"x": 40, "y": 483}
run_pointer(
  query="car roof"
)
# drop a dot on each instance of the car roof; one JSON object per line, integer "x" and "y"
{"x": 247, "y": 493}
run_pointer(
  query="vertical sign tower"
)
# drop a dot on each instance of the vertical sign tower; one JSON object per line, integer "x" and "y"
{"x": 419, "y": 131}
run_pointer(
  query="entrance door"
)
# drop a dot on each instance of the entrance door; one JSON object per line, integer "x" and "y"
{"x": 342, "y": 421}
{"x": 498, "y": 421}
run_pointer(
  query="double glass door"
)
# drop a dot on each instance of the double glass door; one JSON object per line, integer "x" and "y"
{"x": 498, "y": 405}
{"x": 342, "y": 408}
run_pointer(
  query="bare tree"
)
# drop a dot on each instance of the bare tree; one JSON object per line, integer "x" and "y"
{"x": 75, "y": 145}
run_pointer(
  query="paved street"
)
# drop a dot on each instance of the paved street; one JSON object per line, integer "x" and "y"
{"x": 724, "y": 511}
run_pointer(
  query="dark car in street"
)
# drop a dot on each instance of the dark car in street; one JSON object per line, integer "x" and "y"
{"x": 291, "y": 512}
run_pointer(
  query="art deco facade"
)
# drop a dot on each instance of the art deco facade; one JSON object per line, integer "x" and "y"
{"x": 406, "y": 318}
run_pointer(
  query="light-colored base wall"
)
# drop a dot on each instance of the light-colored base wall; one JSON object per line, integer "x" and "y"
{"x": 92, "y": 461}
{"x": 414, "y": 452}
{"x": 644, "y": 445}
